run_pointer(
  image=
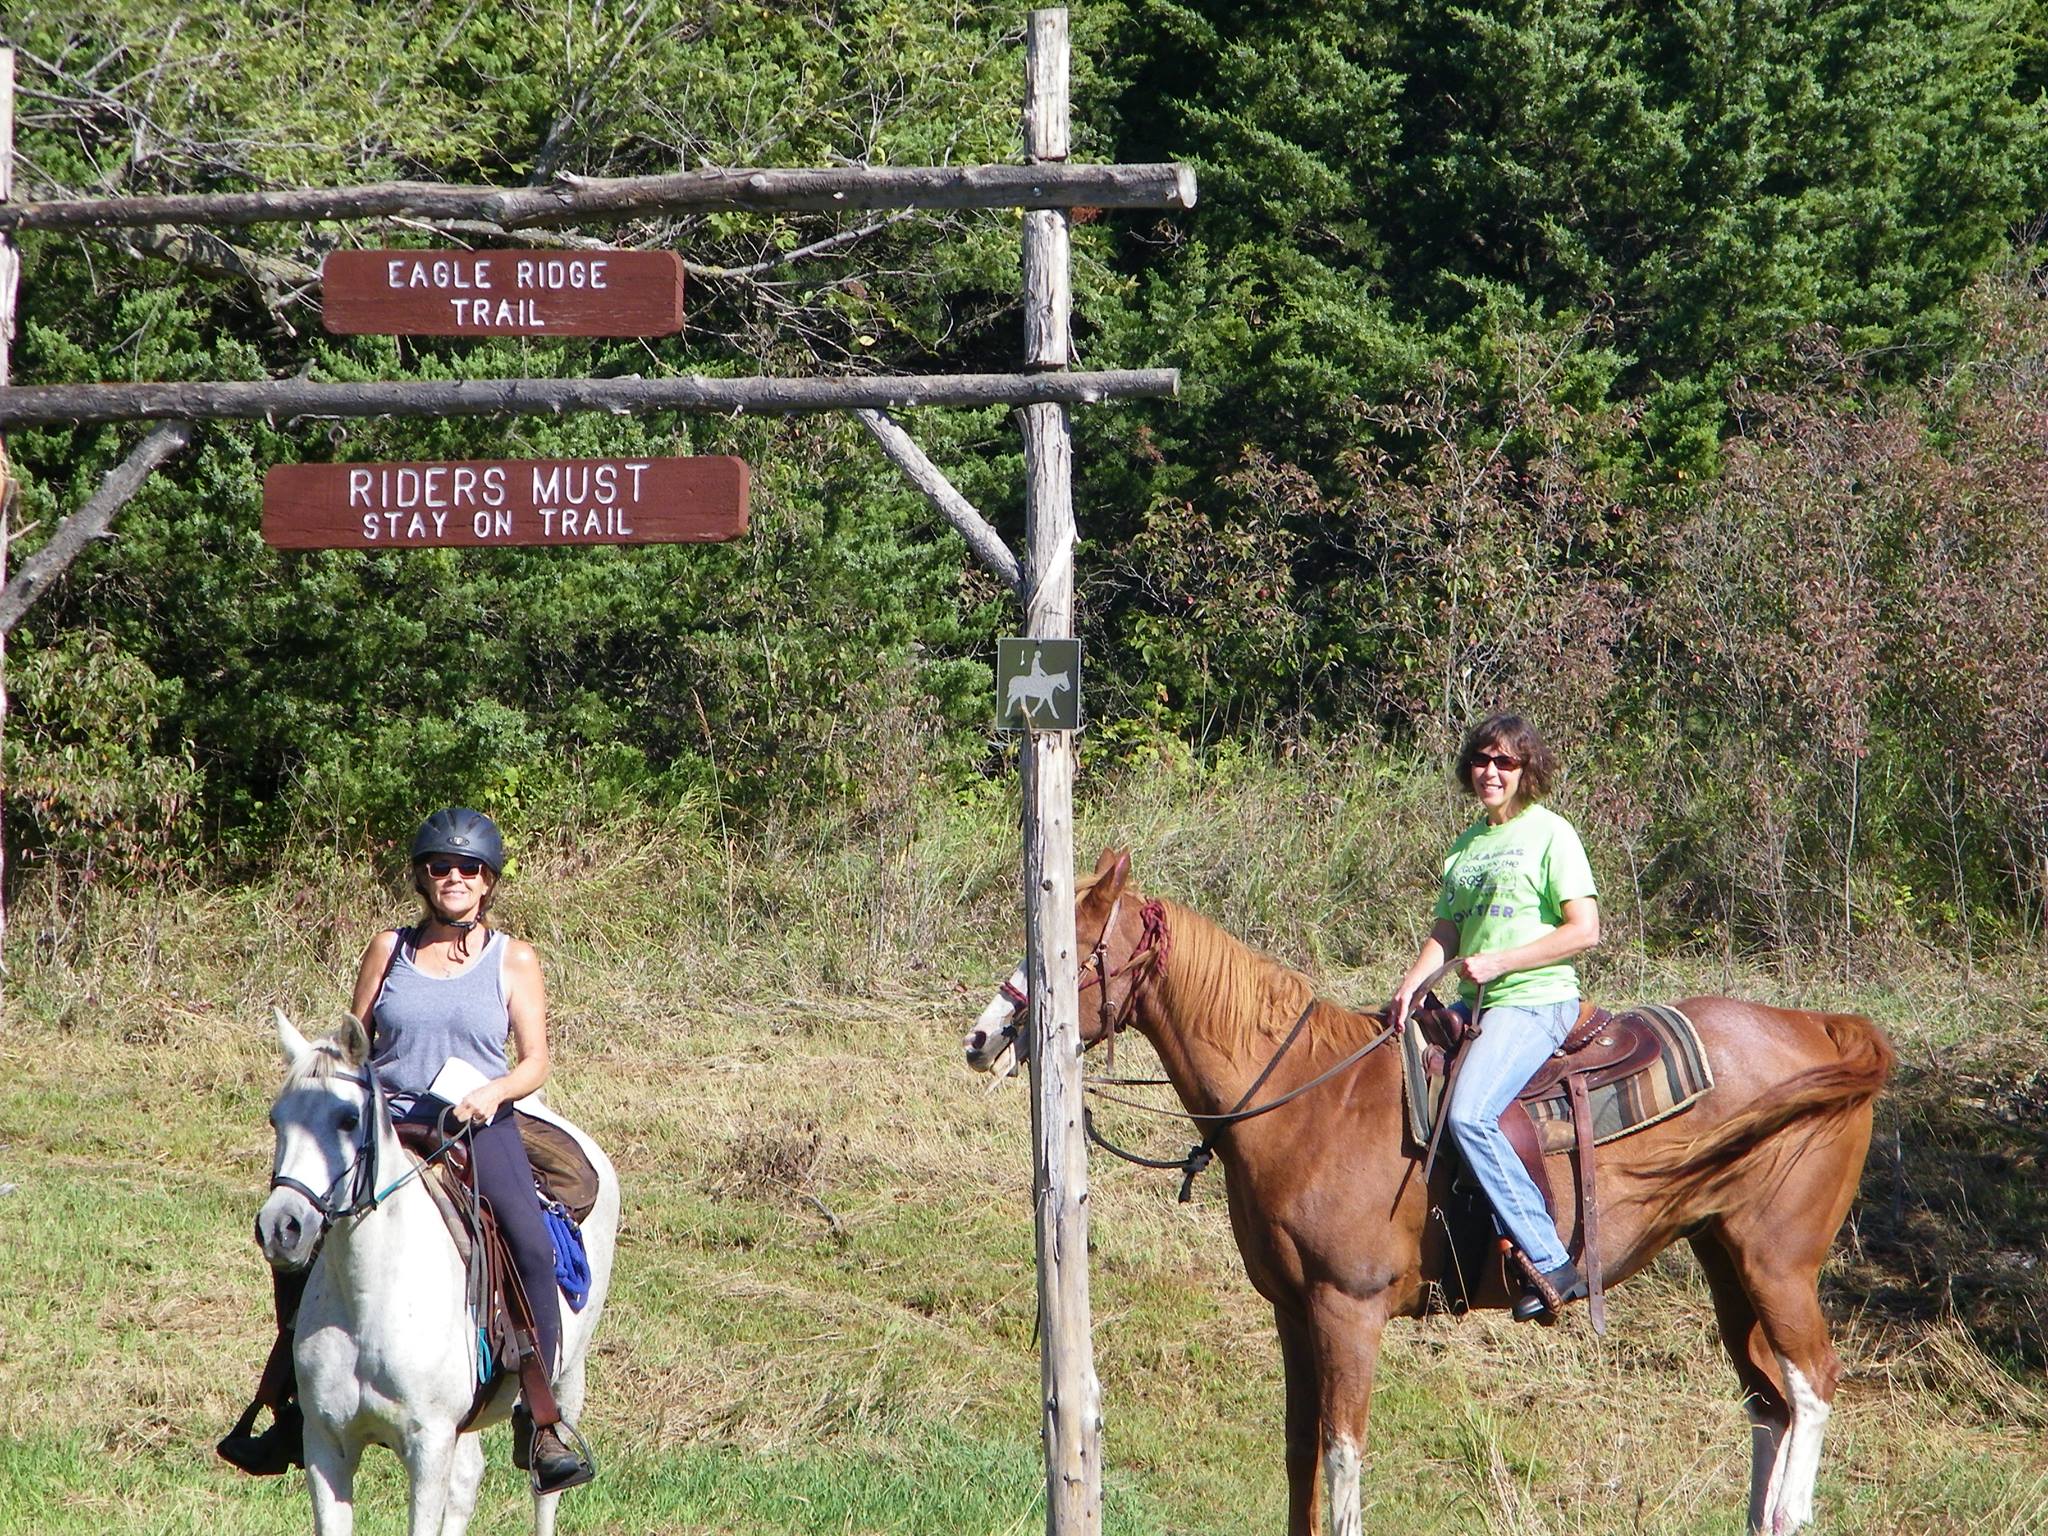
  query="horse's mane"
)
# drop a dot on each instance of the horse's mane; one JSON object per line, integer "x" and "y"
{"x": 1238, "y": 996}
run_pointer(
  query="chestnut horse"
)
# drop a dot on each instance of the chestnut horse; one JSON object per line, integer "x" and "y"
{"x": 1330, "y": 1214}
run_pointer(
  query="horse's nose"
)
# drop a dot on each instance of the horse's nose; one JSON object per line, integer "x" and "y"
{"x": 279, "y": 1232}
{"x": 976, "y": 1042}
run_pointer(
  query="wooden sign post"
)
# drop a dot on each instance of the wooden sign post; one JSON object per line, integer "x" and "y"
{"x": 477, "y": 503}
{"x": 502, "y": 293}
{"x": 1070, "y": 1395}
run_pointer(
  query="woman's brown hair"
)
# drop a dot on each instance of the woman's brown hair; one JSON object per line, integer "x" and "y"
{"x": 1515, "y": 735}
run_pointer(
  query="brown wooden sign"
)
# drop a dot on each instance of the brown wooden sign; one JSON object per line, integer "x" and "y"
{"x": 477, "y": 503}
{"x": 503, "y": 293}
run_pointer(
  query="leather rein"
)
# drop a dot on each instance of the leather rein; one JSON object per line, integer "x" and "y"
{"x": 1144, "y": 965}
{"x": 1203, "y": 1152}
{"x": 361, "y": 1173}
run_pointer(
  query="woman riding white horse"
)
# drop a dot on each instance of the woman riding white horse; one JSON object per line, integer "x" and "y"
{"x": 385, "y": 1350}
{"x": 439, "y": 1001}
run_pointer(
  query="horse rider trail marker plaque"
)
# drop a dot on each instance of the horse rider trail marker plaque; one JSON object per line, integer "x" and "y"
{"x": 1038, "y": 684}
{"x": 502, "y": 293}
{"x": 478, "y": 503}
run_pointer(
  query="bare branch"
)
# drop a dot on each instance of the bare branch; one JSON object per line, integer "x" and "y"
{"x": 987, "y": 544}
{"x": 816, "y": 248}
{"x": 41, "y": 569}
{"x": 198, "y": 250}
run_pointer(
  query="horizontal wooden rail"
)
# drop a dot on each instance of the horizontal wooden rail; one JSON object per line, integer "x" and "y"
{"x": 80, "y": 404}
{"x": 570, "y": 198}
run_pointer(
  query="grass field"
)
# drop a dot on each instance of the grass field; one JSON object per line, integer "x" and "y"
{"x": 822, "y": 1319}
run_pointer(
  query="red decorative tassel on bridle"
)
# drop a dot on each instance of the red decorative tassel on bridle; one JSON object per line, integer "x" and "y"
{"x": 1158, "y": 938}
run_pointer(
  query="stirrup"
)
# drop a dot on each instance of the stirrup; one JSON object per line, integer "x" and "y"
{"x": 1544, "y": 1295}
{"x": 572, "y": 1469}
{"x": 274, "y": 1452}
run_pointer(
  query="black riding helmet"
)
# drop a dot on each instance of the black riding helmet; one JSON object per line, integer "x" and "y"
{"x": 460, "y": 831}
{"x": 464, "y": 834}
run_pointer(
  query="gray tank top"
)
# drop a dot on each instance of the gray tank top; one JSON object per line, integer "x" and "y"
{"x": 422, "y": 1020}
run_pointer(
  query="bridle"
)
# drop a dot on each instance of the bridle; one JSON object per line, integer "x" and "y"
{"x": 1148, "y": 957}
{"x": 1142, "y": 965}
{"x": 361, "y": 1173}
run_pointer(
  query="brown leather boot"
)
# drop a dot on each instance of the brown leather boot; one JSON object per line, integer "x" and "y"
{"x": 556, "y": 1465}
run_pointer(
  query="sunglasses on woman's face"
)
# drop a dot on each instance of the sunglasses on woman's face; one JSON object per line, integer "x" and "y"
{"x": 1500, "y": 760}
{"x": 469, "y": 869}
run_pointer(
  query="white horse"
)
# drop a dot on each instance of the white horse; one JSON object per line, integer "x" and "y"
{"x": 385, "y": 1349}
{"x": 999, "y": 1041}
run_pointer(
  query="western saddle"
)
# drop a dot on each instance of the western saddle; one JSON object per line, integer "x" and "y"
{"x": 1602, "y": 1048}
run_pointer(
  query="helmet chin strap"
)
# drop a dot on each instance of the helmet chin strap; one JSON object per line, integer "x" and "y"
{"x": 462, "y": 926}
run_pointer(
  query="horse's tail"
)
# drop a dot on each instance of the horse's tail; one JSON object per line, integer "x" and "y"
{"x": 1819, "y": 1096}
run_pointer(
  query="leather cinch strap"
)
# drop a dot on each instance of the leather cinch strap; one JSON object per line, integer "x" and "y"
{"x": 1589, "y": 1207}
{"x": 1451, "y": 1070}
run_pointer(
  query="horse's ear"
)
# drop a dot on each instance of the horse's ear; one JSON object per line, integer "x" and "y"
{"x": 1112, "y": 873}
{"x": 354, "y": 1040}
{"x": 294, "y": 1045}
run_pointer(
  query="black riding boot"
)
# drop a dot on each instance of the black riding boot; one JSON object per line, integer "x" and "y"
{"x": 282, "y": 1446}
{"x": 1543, "y": 1296}
{"x": 274, "y": 1452}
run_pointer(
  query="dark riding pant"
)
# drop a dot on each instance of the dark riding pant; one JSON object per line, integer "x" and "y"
{"x": 504, "y": 1177}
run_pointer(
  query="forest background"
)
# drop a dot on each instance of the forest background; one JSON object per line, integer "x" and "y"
{"x": 1673, "y": 373}
{"x": 1677, "y": 374}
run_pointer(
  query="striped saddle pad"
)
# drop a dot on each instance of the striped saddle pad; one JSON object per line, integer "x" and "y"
{"x": 1666, "y": 1087}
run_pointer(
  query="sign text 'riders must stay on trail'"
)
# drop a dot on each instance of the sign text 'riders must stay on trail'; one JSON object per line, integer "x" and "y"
{"x": 502, "y": 293}
{"x": 484, "y": 502}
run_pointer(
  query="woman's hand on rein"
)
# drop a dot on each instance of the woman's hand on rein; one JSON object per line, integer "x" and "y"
{"x": 478, "y": 1106}
{"x": 1481, "y": 968}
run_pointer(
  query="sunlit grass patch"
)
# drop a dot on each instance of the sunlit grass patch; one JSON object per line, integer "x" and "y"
{"x": 824, "y": 1312}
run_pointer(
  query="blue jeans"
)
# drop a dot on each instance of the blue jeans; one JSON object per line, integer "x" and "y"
{"x": 1512, "y": 1044}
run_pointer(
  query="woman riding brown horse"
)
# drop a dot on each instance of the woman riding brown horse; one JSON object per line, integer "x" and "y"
{"x": 1329, "y": 1210}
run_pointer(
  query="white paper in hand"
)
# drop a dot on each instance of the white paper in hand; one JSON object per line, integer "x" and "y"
{"x": 454, "y": 1082}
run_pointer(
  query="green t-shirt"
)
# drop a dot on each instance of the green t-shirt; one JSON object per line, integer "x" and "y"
{"x": 1506, "y": 885}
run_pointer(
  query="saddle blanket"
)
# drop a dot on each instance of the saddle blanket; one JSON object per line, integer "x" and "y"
{"x": 1665, "y": 1088}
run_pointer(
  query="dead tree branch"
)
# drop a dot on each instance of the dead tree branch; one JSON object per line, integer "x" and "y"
{"x": 41, "y": 569}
